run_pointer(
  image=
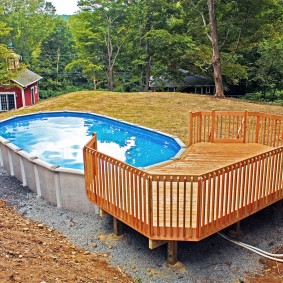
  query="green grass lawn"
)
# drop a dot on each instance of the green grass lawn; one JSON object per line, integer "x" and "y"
{"x": 167, "y": 112}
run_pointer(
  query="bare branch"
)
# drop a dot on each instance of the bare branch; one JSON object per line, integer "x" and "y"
{"x": 226, "y": 37}
{"x": 203, "y": 19}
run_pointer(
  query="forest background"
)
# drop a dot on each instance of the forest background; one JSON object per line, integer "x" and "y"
{"x": 120, "y": 45}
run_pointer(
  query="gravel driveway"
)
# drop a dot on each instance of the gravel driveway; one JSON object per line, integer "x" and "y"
{"x": 211, "y": 260}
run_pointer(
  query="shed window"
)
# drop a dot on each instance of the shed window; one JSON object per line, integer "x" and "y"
{"x": 7, "y": 102}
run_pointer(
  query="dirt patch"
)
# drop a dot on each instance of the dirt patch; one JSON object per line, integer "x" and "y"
{"x": 32, "y": 252}
{"x": 272, "y": 272}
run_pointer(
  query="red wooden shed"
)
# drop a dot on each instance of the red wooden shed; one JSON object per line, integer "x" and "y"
{"x": 23, "y": 92}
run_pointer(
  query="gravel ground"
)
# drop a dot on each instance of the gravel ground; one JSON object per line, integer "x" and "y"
{"x": 211, "y": 260}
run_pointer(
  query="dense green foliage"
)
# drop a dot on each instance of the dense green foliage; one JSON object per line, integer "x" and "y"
{"x": 119, "y": 45}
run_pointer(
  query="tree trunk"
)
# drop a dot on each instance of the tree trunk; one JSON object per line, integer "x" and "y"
{"x": 219, "y": 89}
{"x": 147, "y": 74}
{"x": 148, "y": 67}
{"x": 110, "y": 79}
{"x": 57, "y": 64}
{"x": 110, "y": 55}
{"x": 94, "y": 83}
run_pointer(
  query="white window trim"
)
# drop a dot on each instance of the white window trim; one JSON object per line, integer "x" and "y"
{"x": 8, "y": 93}
{"x": 32, "y": 95}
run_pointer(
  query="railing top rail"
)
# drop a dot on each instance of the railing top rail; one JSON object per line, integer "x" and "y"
{"x": 181, "y": 177}
{"x": 236, "y": 113}
{"x": 91, "y": 146}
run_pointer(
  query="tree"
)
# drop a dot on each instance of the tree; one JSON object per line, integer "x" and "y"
{"x": 216, "y": 61}
{"x": 56, "y": 52}
{"x": 104, "y": 34}
{"x": 6, "y": 57}
{"x": 242, "y": 26}
{"x": 31, "y": 21}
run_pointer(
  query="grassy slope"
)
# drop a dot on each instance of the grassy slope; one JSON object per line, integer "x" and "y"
{"x": 167, "y": 112}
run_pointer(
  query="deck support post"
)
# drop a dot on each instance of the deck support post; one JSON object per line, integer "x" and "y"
{"x": 238, "y": 227}
{"x": 172, "y": 250}
{"x": 102, "y": 212}
{"x": 235, "y": 230}
{"x": 117, "y": 226}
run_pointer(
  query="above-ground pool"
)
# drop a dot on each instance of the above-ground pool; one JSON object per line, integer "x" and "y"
{"x": 58, "y": 138}
{"x": 44, "y": 151}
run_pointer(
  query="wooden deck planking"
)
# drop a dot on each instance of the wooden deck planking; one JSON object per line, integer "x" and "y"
{"x": 205, "y": 157}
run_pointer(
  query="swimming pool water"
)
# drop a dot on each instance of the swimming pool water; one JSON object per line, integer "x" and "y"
{"x": 58, "y": 138}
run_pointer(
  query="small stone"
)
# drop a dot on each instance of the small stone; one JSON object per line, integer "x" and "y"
{"x": 133, "y": 267}
{"x": 74, "y": 253}
{"x": 105, "y": 255}
{"x": 21, "y": 256}
{"x": 25, "y": 229}
{"x": 40, "y": 225}
{"x": 110, "y": 247}
{"x": 228, "y": 262}
{"x": 17, "y": 278}
{"x": 86, "y": 253}
{"x": 94, "y": 245}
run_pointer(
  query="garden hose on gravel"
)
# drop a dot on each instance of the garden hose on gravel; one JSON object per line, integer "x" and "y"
{"x": 276, "y": 257}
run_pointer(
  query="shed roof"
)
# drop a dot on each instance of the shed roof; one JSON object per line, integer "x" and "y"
{"x": 26, "y": 78}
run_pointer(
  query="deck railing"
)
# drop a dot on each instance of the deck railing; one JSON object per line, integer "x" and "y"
{"x": 242, "y": 126}
{"x": 191, "y": 207}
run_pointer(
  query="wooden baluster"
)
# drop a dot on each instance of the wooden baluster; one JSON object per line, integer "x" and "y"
{"x": 150, "y": 206}
{"x": 184, "y": 207}
{"x": 191, "y": 205}
{"x": 212, "y": 126}
{"x": 191, "y": 122}
{"x": 245, "y": 126}
{"x": 158, "y": 204}
{"x": 178, "y": 205}
{"x": 171, "y": 207}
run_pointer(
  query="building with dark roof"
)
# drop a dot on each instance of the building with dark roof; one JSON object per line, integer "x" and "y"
{"x": 23, "y": 90}
{"x": 186, "y": 82}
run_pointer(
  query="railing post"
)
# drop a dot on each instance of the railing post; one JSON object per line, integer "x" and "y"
{"x": 245, "y": 126}
{"x": 199, "y": 212}
{"x": 95, "y": 140}
{"x": 190, "y": 128}
{"x": 212, "y": 126}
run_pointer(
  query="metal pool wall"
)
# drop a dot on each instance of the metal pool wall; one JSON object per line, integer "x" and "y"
{"x": 62, "y": 187}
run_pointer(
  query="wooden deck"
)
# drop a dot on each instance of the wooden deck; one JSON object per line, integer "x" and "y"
{"x": 204, "y": 157}
{"x": 199, "y": 159}
{"x": 233, "y": 168}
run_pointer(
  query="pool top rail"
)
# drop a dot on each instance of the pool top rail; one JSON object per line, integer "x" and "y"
{"x": 232, "y": 168}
